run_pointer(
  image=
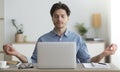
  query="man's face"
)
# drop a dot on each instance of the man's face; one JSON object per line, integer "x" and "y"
{"x": 60, "y": 18}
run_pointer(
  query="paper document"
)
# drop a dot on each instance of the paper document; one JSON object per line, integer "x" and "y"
{"x": 96, "y": 65}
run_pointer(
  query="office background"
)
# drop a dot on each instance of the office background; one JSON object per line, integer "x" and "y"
{"x": 34, "y": 15}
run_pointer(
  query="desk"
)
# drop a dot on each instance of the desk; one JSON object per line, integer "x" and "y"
{"x": 79, "y": 68}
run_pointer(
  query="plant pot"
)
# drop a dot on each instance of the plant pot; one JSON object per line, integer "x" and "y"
{"x": 19, "y": 38}
{"x": 83, "y": 36}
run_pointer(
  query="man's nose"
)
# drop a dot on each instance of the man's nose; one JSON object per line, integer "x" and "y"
{"x": 59, "y": 18}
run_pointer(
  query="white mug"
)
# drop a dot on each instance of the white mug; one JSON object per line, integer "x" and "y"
{"x": 3, "y": 64}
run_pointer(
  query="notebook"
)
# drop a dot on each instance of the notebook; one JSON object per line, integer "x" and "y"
{"x": 56, "y": 55}
{"x": 96, "y": 65}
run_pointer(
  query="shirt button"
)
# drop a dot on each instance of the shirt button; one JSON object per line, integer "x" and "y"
{"x": 60, "y": 39}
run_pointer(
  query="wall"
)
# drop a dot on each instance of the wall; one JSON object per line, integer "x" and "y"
{"x": 34, "y": 14}
{"x": 1, "y": 28}
{"x": 115, "y": 29}
{"x": 1, "y": 23}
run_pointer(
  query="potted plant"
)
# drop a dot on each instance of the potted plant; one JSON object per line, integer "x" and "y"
{"x": 81, "y": 29}
{"x": 19, "y": 37}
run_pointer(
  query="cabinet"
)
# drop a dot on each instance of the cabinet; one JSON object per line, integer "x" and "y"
{"x": 26, "y": 49}
{"x": 1, "y": 55}
{"x": 96, "y": 48}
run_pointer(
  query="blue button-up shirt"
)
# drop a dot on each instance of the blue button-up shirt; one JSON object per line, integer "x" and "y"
{"x": 82, "y": 52}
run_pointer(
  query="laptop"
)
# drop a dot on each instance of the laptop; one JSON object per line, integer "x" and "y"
{"x": 56, "y": 55}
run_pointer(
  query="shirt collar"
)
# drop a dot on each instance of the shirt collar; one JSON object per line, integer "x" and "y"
{"x": 65, "y": 34}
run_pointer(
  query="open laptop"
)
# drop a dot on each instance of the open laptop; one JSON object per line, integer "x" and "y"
{"x": 56, "y": 55}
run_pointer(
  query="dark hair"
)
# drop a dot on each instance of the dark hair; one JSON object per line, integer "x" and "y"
{"x": 60, "y": 5}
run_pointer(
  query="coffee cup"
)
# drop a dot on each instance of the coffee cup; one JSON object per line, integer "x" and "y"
{"x": 3, "y": 64}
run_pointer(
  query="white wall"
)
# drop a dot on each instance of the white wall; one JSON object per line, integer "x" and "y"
{"x": 115, "y": 30}
{"x": 1, "y": 28}
{"x": 1, "y": 23}
{"x": 34, "y": 14}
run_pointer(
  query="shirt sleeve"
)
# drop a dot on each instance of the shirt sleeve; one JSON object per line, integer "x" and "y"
{"x": 34, "y": 55}
{"x": 82, "y": 52}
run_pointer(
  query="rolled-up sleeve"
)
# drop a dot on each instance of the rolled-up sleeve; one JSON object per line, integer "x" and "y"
{"x": 34, "y": 56}
{"x": 82, "y": 52}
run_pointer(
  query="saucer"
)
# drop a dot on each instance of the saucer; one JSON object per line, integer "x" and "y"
{"x": 5, "y": 67}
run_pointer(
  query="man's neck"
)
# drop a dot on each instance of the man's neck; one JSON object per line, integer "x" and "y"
{"x": 60, "y": 31}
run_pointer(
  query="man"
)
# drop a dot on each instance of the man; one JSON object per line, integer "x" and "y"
{"x": 60, "y": 15}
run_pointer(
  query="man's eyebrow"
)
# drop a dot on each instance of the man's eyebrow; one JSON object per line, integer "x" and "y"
{"x": 58, "y": 14}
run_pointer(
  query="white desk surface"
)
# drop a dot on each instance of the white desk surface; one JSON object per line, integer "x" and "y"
{"x": 79, "y": 68}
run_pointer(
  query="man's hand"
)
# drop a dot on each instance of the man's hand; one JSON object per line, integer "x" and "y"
{"x": 111, "y": 49}
{"x": 8, "y": 49}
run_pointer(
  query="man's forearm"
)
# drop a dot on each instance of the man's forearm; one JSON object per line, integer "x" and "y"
{"x": 97, "y": 58}
{"x": 22, "y": 58}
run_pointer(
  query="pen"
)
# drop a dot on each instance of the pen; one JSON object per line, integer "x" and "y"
{"x": 102, "y": 63}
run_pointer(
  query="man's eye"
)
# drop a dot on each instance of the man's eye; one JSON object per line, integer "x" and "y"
{"x": 55, "y": 16}
{"x": 63, "y": 16}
